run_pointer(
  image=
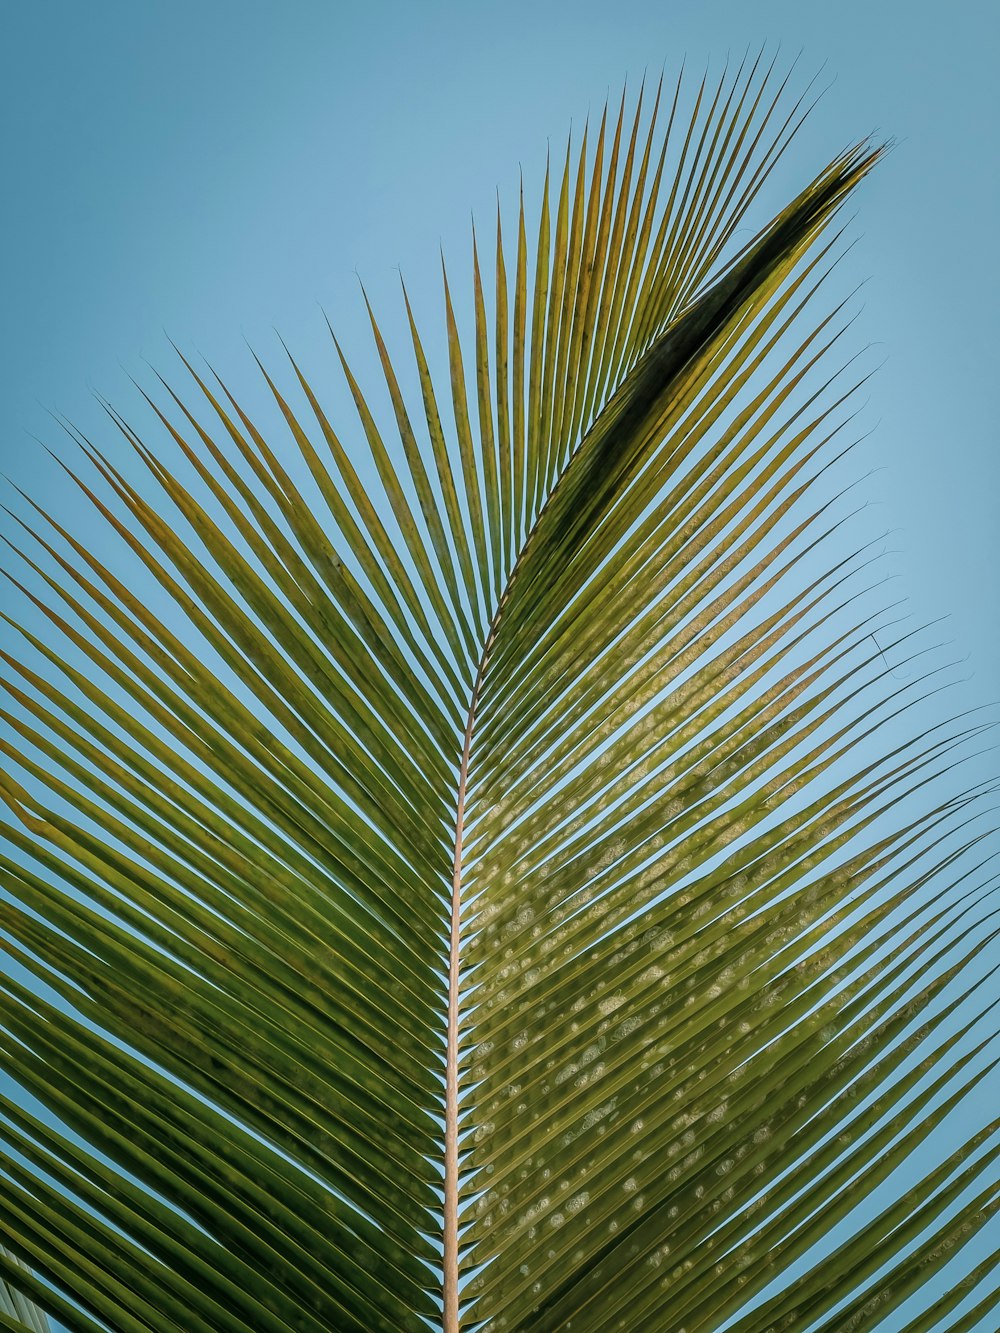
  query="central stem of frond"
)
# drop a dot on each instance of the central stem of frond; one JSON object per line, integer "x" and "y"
{"x": 450, "y": 1246}
{"x": 450, "y": 1256}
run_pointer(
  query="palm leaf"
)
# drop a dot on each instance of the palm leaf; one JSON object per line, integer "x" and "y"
{"x": 16, "y": 1311}
{"x": 456, "y": 876}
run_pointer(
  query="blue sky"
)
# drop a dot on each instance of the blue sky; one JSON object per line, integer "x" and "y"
{"x": 219, "y": 171}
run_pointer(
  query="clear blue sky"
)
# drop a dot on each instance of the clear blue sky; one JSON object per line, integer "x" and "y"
{"x": 220, "y": 168}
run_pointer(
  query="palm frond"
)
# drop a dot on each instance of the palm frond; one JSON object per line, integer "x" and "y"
{"x": 16, "y": 1311}
{"x": 476, "y": 868}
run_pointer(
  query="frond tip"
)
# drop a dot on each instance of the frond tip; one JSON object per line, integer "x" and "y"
{"x": 482, "y": 868}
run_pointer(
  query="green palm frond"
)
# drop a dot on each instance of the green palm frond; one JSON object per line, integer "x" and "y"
{"x": 16, "y": 1311}
{"x": 474, "y": 867}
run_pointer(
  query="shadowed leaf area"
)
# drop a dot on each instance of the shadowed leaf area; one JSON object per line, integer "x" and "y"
{"x": 497, "y": 860}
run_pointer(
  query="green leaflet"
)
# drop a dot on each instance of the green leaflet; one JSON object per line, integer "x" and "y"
{"x": 555, "y": 718}
{"x": 16, "y": 1310}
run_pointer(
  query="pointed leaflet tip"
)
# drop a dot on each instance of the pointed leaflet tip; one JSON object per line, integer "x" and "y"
{"x": 326, "y": 318}
{"x": 364, "y": 293}
{"x": 444, "y": 279}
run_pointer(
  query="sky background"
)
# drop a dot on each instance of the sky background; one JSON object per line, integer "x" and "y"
{"x": 216, "y": 171}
